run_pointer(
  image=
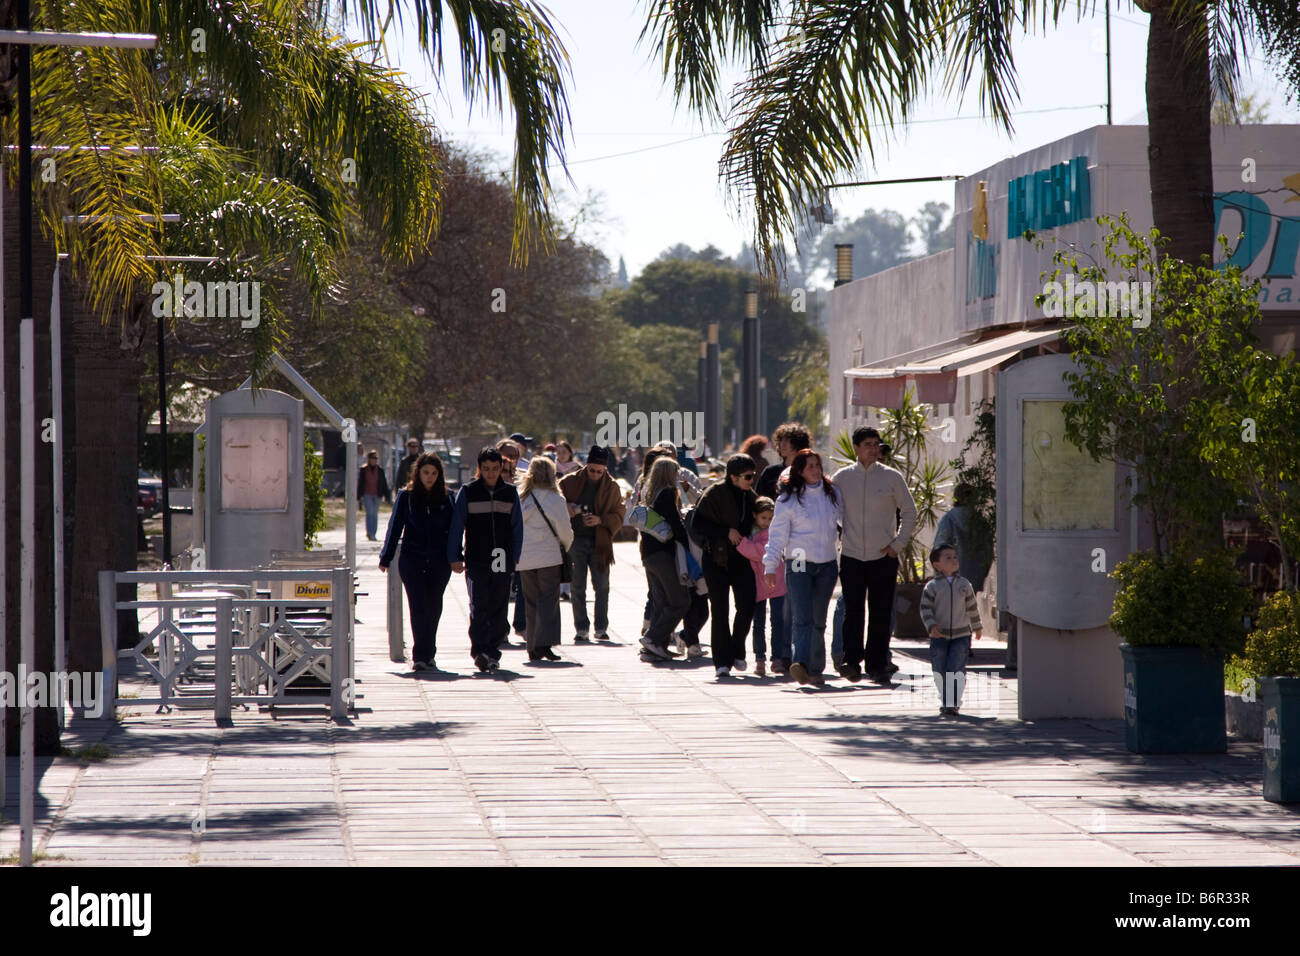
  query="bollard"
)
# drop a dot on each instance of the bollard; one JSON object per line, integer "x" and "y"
{"x": 396, "y": 649}
{"x": 108, "y": 642}
{"x": 221, "y": 678}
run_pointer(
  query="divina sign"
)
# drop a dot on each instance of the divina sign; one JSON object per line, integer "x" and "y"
{"x": 1050, "y": 197}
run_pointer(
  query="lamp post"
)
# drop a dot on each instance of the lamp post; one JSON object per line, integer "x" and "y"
{"x": 843, "y": 263}
{"x": 749, "y": 365}
{"x": 737, "y": 409}
{"x": 713, "y": 403}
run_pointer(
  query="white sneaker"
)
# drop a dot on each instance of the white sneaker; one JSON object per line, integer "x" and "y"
{"x": 645, "y": 625}
{"x": 739, "y": 664}
{"x": 724, "y": 672}
{"x": 694, "y": 651}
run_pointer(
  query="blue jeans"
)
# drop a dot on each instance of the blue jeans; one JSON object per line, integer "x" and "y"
{"x": 371, "y": 503}
{"x": 948, "y": 664}
{"x": 809, "y": 592}
{"x": 780, "y": 637}
{"x": 584, "y": 557}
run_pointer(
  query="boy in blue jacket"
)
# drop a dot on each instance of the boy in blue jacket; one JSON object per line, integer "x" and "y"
{"x": 950, "y": 614}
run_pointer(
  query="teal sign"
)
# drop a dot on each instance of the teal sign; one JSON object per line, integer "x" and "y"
{"x": 1050, "y": 197}
{"x": 1256, "y": 232}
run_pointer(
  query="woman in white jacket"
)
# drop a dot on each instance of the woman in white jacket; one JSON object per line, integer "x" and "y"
{"x": 803, "y": 534}
{"x": 546, "y": 529}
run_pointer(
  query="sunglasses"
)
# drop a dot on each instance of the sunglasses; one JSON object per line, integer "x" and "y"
{"x": 746, "y": 477}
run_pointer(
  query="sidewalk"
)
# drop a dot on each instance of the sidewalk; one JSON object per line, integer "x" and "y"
{"x": 609, "y": 760}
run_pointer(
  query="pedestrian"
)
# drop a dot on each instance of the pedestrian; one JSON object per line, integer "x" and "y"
{"x": 754, "y": 446}
{"x": 723, "y": 518}
{"x": 547, "y": 535}
{"x": 950, "y": 615}
{"x": 421, "y": 523}
{"x": 638, "y": 498}
{"x": 803, "y": 535}
{"x": 789, "y": 439}
{"x": 511, "y": 454}
{"x": 565, "y": 462}
{"x": 372, "y": 484}
{"x": 766, "y": 597}
{"x": 879, "y": 518}
{"x": 671, "y": 600}
{"x": 524, "y": 458}
{"x": 403, "y": 477}
{"x": 596, "y": 509}
{"x": 959, "y": 528}
{"x": 484, "y": 543}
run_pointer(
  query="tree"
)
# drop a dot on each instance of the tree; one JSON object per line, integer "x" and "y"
{"x": 819, "y": 78}
{"x": 881, "y": 240}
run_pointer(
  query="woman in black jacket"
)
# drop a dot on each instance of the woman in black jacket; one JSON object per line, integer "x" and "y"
{"x": 670, "y": 599}
{"x": 421, "y": 521}
{"x": 723, "y": 517}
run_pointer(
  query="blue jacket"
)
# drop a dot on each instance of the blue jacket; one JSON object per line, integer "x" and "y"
{"x": 485, "y": 519}
{"x": 422, "y": 532}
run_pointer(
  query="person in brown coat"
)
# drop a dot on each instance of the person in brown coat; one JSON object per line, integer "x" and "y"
{"x": 596, "y": 510}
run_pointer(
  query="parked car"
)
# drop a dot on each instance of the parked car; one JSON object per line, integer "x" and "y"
{"x": 148, "y": 499}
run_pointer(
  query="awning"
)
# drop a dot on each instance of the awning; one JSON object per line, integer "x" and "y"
{"x": 883, "y": 385}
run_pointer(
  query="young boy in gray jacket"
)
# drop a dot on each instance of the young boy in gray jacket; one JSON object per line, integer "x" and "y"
{"x": 950, "y": 614}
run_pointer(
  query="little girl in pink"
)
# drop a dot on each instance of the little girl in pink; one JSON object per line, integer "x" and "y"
{"x": 753, "y": 548}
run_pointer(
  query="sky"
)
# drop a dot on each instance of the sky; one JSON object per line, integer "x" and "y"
{"x": 653, "y": 168}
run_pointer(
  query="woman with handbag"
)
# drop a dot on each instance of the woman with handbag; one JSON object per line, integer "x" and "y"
{"x": 670, "y": 599}
{"x": 542, "y": 563}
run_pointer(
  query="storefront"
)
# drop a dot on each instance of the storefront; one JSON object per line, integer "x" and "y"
{"x": 954, "y": 325}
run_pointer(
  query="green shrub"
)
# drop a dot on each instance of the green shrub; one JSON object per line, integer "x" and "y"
{"x": 1273, "y": 648}
{"x": 313, "y": 498}
{"x": 1172, "y": 601}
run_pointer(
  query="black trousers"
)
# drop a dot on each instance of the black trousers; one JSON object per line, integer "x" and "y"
{"x": 489, "y": 602}
{"x": 728, "y": 635}
{"x": 424, "y": 581}
{"x": 872, "y": 582}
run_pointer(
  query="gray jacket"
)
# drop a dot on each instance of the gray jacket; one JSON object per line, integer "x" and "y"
{"x": 950, "y": 604}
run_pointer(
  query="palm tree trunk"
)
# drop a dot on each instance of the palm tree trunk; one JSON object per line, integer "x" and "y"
{"x": 1178, "y": 129}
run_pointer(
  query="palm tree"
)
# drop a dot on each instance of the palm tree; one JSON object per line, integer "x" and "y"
{"x": 276, "y": 143}
{"x": 820, "y": 74}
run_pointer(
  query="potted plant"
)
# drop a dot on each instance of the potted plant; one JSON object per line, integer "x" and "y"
{"x": 1178, "y": 617}
{"x": 1272, "y": 652}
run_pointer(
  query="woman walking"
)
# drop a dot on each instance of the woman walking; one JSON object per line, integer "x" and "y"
{"x": 546, "y": 531}
{"x": 565, "y": 463}
{"x": 803, "y": 535}
{"x": 724, "y": 517}
{"x": 420, "y": 522}
{"x": 669, "y": 596}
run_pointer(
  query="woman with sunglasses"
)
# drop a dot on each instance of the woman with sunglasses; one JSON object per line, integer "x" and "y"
{"x": 723, "y": 518}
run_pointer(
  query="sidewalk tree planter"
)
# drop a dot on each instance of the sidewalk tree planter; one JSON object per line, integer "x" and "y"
{"x": 1178, "y": 618}
{"x": 1272, "y": 652}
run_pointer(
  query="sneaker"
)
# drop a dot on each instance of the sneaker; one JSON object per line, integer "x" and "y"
{"x": 880, "y": 677}
{"x": 547, "y": 654}
{"x": 723, "y": 672}
{"x": 760, "y": 669}
{"x": 739, "y": 664}
{"x": 654, "y": 649}
{"x": 494, "y": 665}
{"x": 603, "y": 636}
{"x": 581, "y": 638}
{"x": 483, "y": 663}
{"x": 799, "y": 672}
{"x": 891, "y": 669}
{"x": 780, "y": 668}
{"x": 694, "y": 650}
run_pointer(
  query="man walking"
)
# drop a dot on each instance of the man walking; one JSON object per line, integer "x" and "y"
{"x": 404, "y": 466}
{"x": 596, "y": 510}
{"x": 879, "y": 518}
{"x": 372, "y": 484}
{"x": 485, "y": 541}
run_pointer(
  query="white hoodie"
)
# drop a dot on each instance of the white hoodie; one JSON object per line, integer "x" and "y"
{"x": 540, "y": 549}
{"x": 804, "y": 528}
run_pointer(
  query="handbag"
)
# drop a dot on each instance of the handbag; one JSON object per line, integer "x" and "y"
{"x": 566, "y": 561}
{"x": 650, "y": 522}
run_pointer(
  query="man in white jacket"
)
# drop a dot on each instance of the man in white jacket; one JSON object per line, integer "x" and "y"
{"x": 875, "y": 496}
